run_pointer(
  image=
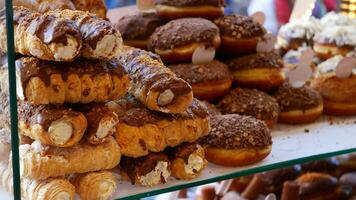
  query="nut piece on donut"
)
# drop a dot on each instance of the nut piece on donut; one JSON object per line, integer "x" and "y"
{"x": 251, "y": 102}
{"x": 262, "y": 71}
{"x": 339, "y": 94}
{"x": 236, "y": 140}
{"x": 209, "y": 81}
{"x": 239, "y": 34}
{"x": 177, "y": 40}
{"x": 298, "y": 105}
{"x": 317, "y": 186}
{"x": 135, "y": 29}
{"x": 174, "y": 9}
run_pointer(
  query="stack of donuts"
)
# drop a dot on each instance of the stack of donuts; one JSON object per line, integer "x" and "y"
{"x": 333, "y": 178}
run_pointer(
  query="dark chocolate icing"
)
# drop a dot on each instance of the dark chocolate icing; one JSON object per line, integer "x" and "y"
{"x": 312, "y": 183}
{"x": 183, "y": 151}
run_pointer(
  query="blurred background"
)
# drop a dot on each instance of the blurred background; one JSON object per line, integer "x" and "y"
{"x": 277, "y": 11}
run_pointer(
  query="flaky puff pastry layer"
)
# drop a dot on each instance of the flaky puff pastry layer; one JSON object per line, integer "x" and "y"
{"x": 95, "y": 185}
{"x": 81, "y": 81}
{"x": 153, "y": 84}
{"x": 43, "y": 35}
{"x": 141, "y": 130}
{"x": 45, "y": 5}
{"x": 96, "y": 7}
{"x": 49, "y": 189}
{"x": 100, "y": 38}
{"x": 52, "y": 125}
{"x": 40, "y": 162}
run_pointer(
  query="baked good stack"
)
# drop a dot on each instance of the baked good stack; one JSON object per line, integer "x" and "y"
{"x": 67, "y": 72}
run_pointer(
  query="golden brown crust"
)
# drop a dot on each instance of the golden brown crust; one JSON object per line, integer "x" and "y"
{"x": 326, "y": 51}
{"x": 211, "y": 90}
{"x": 43, "y": 6}
{"x": 205, "y": 11}
{"x": 233, "y": 46}
{"x": 301, "y": 116}
{"x": 96, "y": 7}
{"x": 338, "y": 108}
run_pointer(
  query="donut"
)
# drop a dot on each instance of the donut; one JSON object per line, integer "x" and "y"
{"x": 209, "y": 81}
{"x": 250, "y": 102}
{"x": 276, "y": 178}
{"x": 211, "y": 108}
{"x": 334, "y": 40}
{"x": 329, "y": 166}
{"x": 262, "y": 71}
{"x": 339, "y": 94}
{"x": 177, "y": 40}
{"x": 236, "y": 140}
{"x": 317, "y": 186}
{"x": 297, "y": 33}
{"x": 239, "y": 34}
{"x": 298, "y": 105}
{"x": 136, "y": 28}
{"x": 174, "y": 9}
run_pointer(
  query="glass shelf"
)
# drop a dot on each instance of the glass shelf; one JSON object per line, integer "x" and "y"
{"x": 291, "y": 145}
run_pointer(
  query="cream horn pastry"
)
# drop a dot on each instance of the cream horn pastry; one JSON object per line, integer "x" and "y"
{"x": 43, "y": 6}
{"x": 155, "y": 85}
{"x": 101, "y": 122}
{"x": 100, "y": 39}
{"x": 49, "y": 189}
{"x": 95, "y": 185}
{"x": 149, "y": 170}
{"x": 51, "y": 124}
{"x": 96, "y": 7}
{"x": 141, "y": 130}
{"x": 187, "y": 161}
{"x": 40, "y": 162}
{"x": 81, "y": 81}
{"x": 45, "y": 36}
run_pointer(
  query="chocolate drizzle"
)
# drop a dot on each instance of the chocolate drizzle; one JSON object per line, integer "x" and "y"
{"x": 183, "y": 151}
{"x": 237, "y": 132}
{"x": 183, "y": 3}
{"x": 182, "y": 32}
{"x": 213, "y": 71}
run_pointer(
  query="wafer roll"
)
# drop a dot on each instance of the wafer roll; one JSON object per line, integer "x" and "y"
{"x": 43, "y": 35}
{"x": 101, "y": 122}
{"x": 81, "y": 81}
{"x": 153, "y": 84}
{"x": 40, "y": 162}
{"x": 96, "y": 7}
{"x": 95, "y": 185}
{"x": 49, "y": 189}
{"x": 100, "y": 39}
{"x": 187, "y": 161}
{"x": 141, "y": 130}
{"x": 43, "y": 6}
{"x": 149, "y": 170}
{"x": 52, "y": 125}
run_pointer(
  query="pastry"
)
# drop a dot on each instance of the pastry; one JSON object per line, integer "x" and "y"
{"x": 141, "y": 130}
{"x": 336, "y": 19}
{"x": 95, "y": 185}
{"x": 5, "y": 144}
{"x": 338, "y": 94}
{"x": 49, "y": 189}
{"x": 317, "y": 186}
{"x": 209, "y": 81}
{"x": 81, "y": 81}
{"x": 236, "y": 140}
{"x": 329, "y": 166}
{"x": 297, "y": 33}
{"x": 298, "y": 105}
{"x": 335, "y": 40}
{"x": 154, "y": 85}
{"x": 251, "y": 103}
{"x": 239, "y": 34}
{"x": 211, "y": 108}
{"x": 96, "y": 7}
{"x": 100, "y": 38}
{"x": 209, "y": 9}
{"x": 187, "y": 161}
{"x": 277, "y": 177}
{"x": 177, "y": 40}
{"x": 40, "y": 162}
{"x": 45, "y": 36}
{"x": 51, "y": 125}
{"x": 255, "y": 187}
{"x": 43, "y": 6}
{"x": 101, "y": 122}
{"x": 262, "y": 71}
{"x": 137, "y": 28}
{"x": 290, "y": 191}
{"x": 149, "y": 170}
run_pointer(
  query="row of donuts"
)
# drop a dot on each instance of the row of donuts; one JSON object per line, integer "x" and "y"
{"x": 333, "y": 178}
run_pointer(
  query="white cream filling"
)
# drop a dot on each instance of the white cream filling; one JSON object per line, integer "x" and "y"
{"x": 106, "y": 189}
{"x": 329, "y": 65}
{"x": 300, "y": 29}
{"x": 107, "y": 46}
{"x": 60, "y": 132}
{"x": 154, "y": 177}
{"x": 65, "y": 52}
{"x": 195, "y": 164}
{"x": 338, "y": 19}
{"x": 340, "y": 35}
{"x": 106, "y": 126}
